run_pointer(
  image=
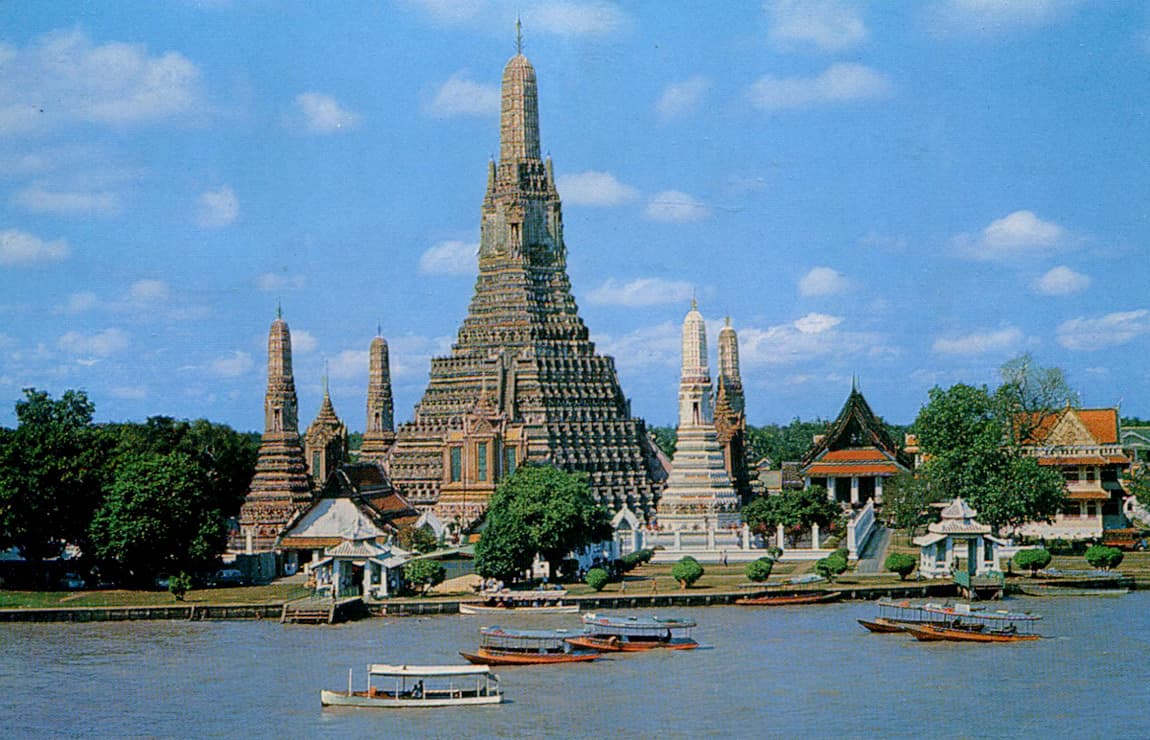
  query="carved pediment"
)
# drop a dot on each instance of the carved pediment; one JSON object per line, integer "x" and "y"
{"x": 1069, "y": 431}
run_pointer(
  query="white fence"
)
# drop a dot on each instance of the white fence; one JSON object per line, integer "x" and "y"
{"x": 859, "y": 530}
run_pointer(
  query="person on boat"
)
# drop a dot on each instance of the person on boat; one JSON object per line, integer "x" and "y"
{"x": 417, "y": 692}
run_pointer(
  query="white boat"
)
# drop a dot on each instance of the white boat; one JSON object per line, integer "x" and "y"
{"x": 407, "y": 686}
{"x": 539, "y": 601}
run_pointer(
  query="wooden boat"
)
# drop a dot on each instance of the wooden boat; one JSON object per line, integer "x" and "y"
{"x": 961, "y": 623}
{"x": 410, "y": 686}
{"x": 881, "y": 625}
{"x": 893, "y": 616}
{"x": 526, "y": 647}
{"x": 629, "y": 634}
{"x": 935, "y": 633}
{"x": 540, "y": 601}
{"x": 1052, "y": 590}
{"x": 821, "y": 597}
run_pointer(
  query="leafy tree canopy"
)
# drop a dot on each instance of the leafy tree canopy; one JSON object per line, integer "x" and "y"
{"x": 539, "y": 509}
{"x": 424, "y": 573}
{"x": 791, "y": 509}
{"x": 417, "y": 539}
{"x": 1033, "y": 560}
{"x": 760, "y": 570}
{"x": 906, "y": 500}
{"x": 901, "y": 563}
{"x": 686, "y": 571}
{"x": 1104, "y": 556}
{"x": 596, "y": 578}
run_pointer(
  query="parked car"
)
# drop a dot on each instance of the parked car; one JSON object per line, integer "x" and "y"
{"x": 72, "y": 581}
{"x": 229, "y": 577}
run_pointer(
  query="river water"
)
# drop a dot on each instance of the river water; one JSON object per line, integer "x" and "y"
{"x": 782, "y": 671}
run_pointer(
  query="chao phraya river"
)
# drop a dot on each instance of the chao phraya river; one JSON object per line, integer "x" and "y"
{"x": 792, "y": 672}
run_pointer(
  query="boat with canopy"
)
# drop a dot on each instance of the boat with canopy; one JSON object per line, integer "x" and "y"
{"x": 538, "y": 601}
{"x": 609, "y": 633}
{"x": 955, "y": 623}
{"x": 411, "y": 686}
{"x": 499, "y": 646}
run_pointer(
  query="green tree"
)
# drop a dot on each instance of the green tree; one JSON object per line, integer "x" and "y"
{"x": 1028, "y": 394}
{"x": 906, "y": 500}
{"x": 964, "y": 435}
{"x": 179, "y": 585}
{"x": 158, "y": 516}
{"x": 1138, "y": 483}
{"x": 424, "y": 573}
{"x": 760, "y": 570}
{"x": 1103, "y": 556}
{"x": 596, "y": 578}
{"x": 686, "y": 571}
{"x": 831, "y": 566}
{"x": 52, "y": 474}
{"x": 417, "y": 539}
{"x": 1033, "y": 559}
{"x": 901, "y": 563}
{"x": 795, "y": 510}
{"x": 665, "y": 438}
{"x": 538, "y": 510}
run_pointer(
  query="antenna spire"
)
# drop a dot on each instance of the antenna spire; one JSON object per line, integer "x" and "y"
{"x": 279, "y": 309}
{"x": 518, "y": 36}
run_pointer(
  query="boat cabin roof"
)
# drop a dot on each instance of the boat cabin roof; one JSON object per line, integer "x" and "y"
{"x": 635, "y": 621}
{"x": 496, "y": 631}
{"x": 427, "y": 671}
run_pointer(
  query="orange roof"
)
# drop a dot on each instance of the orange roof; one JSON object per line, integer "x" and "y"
{"x": 1101, "y": 423}
{"x": 1092, "y": 495}
{"x": 1073, "y": 460}
{"x": 821, "y": 469}
{"x": 865, "y": 455}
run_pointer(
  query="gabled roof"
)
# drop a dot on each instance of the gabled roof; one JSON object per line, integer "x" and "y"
{"x": 358, "y": 503}
{"x": 856, "y": 436}
{"x": 1099, "y": 424}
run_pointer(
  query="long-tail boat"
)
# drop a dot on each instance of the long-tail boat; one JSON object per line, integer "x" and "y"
{"x": 894, "y": 616}
{"x": 609, "y": 633}
{"x": 821, "y": 597}
{"x": 975, "y": 626}
{"x": 500, "y": 646}
{"x": 539, "y": 601}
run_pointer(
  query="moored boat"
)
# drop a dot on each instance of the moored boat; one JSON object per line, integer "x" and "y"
{"x": 410, "y": 686}
{"x": 784, "y": 599}
{"x": 609, "y": 633}
{"x": 540, "y": 601}
{"x": 881, "y": 625}
{"x": 499, "y": 646}
{"x": 1052, "y": 590}
{"x": 939, "y": 633}
{"x": 961, "y": 623}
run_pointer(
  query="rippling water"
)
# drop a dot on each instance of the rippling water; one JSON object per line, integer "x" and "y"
{"x": 794, "y": 671}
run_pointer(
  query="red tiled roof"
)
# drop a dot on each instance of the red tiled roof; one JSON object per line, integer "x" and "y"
{"x": 1073, "y": 460}
{"x": 1102, "y": 424}
{"x": 820, "y": 469}
{"x": 1093, "y": 495}
{"x": 865, "y": 455}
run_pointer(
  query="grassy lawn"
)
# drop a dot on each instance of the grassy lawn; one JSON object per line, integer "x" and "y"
{"x": 271, "y": 593}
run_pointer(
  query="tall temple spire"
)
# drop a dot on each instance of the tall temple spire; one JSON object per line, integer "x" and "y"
{"x": 280, "y": 486}
{"x": 380, "y": 430}
{"x": 519, "y": 113}
{"x": 325, "y": 442}
{"x": 730, "y": 413}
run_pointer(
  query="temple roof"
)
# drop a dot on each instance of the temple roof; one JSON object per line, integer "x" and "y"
{"x": 857, "y": 438}
{"x": 1100, "y": 424}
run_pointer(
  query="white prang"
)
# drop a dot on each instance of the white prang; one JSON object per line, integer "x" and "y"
{"x": 699, "y": 495}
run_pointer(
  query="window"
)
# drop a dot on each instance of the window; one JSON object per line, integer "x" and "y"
{"x": 456, "y": 464}
{"x": 481, "y": 461}
{"x": 508, "y": 461}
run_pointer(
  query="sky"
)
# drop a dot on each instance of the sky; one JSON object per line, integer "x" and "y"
{"x": 907, "y": 193}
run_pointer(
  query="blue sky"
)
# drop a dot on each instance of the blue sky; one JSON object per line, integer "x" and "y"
{"x": 912, "y": 193}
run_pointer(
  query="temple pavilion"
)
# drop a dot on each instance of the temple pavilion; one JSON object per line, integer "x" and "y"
{"x": 958, "y": 543}
{"x": 855, "y": 455}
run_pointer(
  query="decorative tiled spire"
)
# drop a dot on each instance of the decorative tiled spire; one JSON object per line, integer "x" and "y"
{"x": 380, "y": 430}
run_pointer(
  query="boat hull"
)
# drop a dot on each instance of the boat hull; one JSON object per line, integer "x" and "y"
{"x": 615, "y": 645}
{"x": 931, "y": 633}
{"x": 483, "y": 609}
{"x": 788, "y": 600}
{"x": 486, "y": 657}
{"x": 882, "y": 625}
{"x": 382, "y": 701}
{"x": 1066, "y": 591}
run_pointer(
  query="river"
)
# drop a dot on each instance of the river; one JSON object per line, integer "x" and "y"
{"x": 794, "y": 671}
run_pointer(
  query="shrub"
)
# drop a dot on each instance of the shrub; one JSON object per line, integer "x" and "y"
{"x": 424, "y": 573}
{"x": 1102, "y": 556}
{"x": 901, "y": 563}
{"x": 633, "y": 560}
{"x": 686, "y": 571}
{"x": 831, "y": 566}
{"x": 1032, "y": 560}
{"x": 596, "y": 578}
{"x": 179, "y": 585}
{"x": 760, "y": 570}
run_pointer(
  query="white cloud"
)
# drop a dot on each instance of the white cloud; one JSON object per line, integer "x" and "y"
{"x": 63, "y": 77}
{"x": 676, "y": 207}
{"x": 1110, "y": 330}
{"x": 148, "y": 292}
{"x": 348, "y": 364}
{"x": 823, "y": 281}
{"x": 640, "y": 292}
{"x": 978, "y": 343}
{"x": 644, "y": 347}
{"x": 809, "y": 337}
{"x": 680, "y": 98}
{"x": 1061, "y": 280}
{"x": 460, "y": 96}
{"x": 217, "y": 208}
{"x": 323, "y": 115}
{"x": 410, "y": 354}
{"x": 993, "y": 17}
{"x": 238, "y": 363}
{"x": 303, "y": 341}
{"x": 21, "y": 248}
{"x": 275, "y": 282}
{"x": 567, "y": 18}
{"x": 449, "y": 258}
{"x": 827, "y": 24}
{"x": 38, "y": 199}
{"x": 130, "y": 392}
{"x": 840, "y": 83}
{"x": 593, "y": 188}
{"x": 101, "y": 344}
{"x": 1017, "y": 234}
{"x": 80, "y": 302}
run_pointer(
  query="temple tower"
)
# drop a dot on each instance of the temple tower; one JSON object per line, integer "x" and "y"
{"x": 280, "y": 485}
{"x": 380, "y": 430}
{"x": 730, "y": 413}
{"x": 325, "y": 442}
{"x": 522, "y": 382}
{"x": 699, "y": 493}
